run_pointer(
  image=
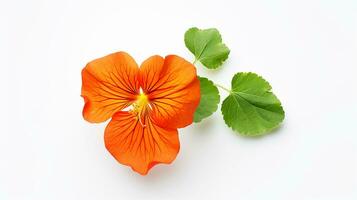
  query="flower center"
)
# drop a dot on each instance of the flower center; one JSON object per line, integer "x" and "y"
{"x": 140, "y": 107}
{"x": 141, "y": 102}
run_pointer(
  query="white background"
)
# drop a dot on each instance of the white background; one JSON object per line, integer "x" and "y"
{"x": 306, "y": 49}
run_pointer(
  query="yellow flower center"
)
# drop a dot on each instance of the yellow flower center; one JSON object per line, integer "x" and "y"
{"x": 140, "y": 107}
{"x": 141, "y": 102}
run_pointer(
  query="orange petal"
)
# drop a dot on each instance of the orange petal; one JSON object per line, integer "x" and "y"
{"x": 109, "y": 84}
{"x": 140, "y": 147}
{"x": 173, "y": 89}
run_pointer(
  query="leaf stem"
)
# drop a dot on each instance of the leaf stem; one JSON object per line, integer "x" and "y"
{"x": 222, "y": 87}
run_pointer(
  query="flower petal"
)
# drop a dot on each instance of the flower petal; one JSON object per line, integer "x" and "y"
{"x": 173, "y": 89}
{"x": 109, "y": 84}
{"x": 140, "y": 147}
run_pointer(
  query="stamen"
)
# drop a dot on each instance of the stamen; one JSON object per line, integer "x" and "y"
{"x": 142, "y": 124}
{"x": 150, "y": 106}
{"x": 141, "y": 106}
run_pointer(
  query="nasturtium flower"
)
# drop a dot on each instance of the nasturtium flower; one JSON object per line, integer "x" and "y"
{"x": 146, "y": 105}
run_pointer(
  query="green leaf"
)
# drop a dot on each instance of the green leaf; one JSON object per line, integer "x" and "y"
{"x": 251, "y": 108}
{"x": 207, "y": 46}
{"x": 209, "y": 99}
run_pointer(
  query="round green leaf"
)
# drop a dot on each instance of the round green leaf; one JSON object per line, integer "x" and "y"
{"x": 209, "y": 99}
{"x": 207, "y": 46}
{"x": 251, "y": 108}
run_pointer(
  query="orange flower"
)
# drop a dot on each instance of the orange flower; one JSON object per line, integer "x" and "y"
{"x": 147, "y": 105}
